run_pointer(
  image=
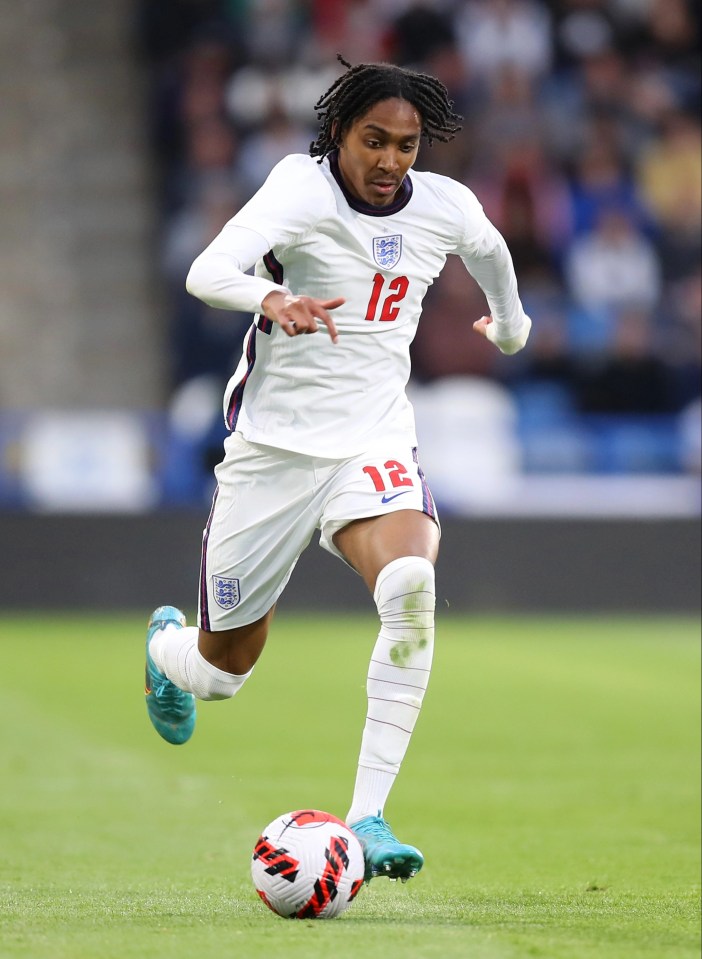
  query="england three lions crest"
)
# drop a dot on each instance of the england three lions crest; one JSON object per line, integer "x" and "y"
{"x": 226, "y": 592}
{"x": 387, "y": 250}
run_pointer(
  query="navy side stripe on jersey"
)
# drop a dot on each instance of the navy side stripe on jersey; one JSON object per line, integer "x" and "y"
{"x": 275, "y": 268}
{"x": 238, "y": 391}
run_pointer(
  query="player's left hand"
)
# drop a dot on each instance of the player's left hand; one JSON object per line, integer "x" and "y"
{"x": 488, "y": 329}
{"x": 481, "y": 325}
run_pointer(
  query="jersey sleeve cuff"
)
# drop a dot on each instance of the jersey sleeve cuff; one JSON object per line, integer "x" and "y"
{"x": 509, "y": 344}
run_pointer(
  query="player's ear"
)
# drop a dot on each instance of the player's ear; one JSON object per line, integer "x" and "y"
{"x": 336, "y": 132}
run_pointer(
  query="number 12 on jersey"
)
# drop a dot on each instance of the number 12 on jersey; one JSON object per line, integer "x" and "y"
{"x": 396, "y": 291}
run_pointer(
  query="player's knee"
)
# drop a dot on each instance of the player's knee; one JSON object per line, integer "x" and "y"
{"x": 405, "y": 595}
{"x": 209, "y": 683}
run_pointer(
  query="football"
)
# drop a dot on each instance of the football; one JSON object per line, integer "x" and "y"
{"x": 307, "y": 864}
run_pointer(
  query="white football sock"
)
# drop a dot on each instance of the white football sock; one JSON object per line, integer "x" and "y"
{"x": 175, "y": 653}
{"x": 397, "y": 678}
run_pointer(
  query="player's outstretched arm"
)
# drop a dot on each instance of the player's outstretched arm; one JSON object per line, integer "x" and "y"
{"x": 299, "y": 314}
{"x": 510, "y": 345}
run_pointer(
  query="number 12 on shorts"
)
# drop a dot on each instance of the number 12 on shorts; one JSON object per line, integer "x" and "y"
{"x": 395, "y": 476}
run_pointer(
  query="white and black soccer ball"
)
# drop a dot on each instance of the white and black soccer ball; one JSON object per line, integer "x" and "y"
{"x": 307, "y": 864}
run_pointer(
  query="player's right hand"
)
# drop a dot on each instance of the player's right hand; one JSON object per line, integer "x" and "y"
{"x": 299, "y": 314}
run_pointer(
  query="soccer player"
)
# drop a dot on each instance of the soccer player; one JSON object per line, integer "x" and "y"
{"x": 345, "y": 241}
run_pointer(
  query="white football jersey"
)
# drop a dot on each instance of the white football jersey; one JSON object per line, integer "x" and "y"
{"x": 307, "y": 234}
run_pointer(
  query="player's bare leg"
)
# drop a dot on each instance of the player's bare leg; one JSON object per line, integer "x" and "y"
{"x": 395, "y": 555}
{"x": 236, "y": 650}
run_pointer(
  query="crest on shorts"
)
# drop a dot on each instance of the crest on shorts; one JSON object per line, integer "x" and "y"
{"x": 226, "y": 592}
{"x": 387, "y": 250}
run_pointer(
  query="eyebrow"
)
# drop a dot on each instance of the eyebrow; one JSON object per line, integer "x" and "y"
{"x": 378, "y": 129}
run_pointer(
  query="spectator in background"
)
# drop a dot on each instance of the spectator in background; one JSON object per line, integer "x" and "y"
{"x": 671, "y": 37}
{"x": 440, "y": 347}
{"x": 670, "y": 179}
{"x": 204, "y": 191}
{"x": 630, "y": 377}
{"x": 209, "y": 156}
{"x": 165, "y": 28}
{"x": 601, "y": 182}
{"x": 418, "y": 33}
{"x": 276, "y": 137}
{"x": 613, "y": 265}
{"x": 493, "y": 34}
{"x": 187, "y": 92}
{"x": 508, "y": 115}
{"x": 358, "y": 28}
{"x": 670, "y": 171}
{"x": 204, "y": 341}
{"x": 604, "y": 87}
{"x": 528, "y": 198}
{"x": 581, "y": 28}
{"x": 550, "y": 360}
{"x": 274, "y": 30}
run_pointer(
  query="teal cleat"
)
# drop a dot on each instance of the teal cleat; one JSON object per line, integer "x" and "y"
{"x": 171, "y": 711}
{"x": 384, "y": 854}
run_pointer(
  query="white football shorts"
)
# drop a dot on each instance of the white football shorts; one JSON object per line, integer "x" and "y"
{"x": 268, "y": 504}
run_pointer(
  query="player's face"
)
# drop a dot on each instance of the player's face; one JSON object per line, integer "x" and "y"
{"x": 378, "y": 149}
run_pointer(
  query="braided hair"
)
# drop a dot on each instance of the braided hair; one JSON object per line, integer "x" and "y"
{"x": 361, "y": 87}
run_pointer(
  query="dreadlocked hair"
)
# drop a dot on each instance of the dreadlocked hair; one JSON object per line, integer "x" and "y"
{"x": 361, "y": 87}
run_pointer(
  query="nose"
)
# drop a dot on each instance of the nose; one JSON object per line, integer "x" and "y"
{"x": 388, "y": 161}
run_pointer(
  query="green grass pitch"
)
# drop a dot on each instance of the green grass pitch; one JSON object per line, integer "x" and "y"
{"x": 552, "y": 783}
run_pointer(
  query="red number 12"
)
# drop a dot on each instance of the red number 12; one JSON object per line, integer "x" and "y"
{"x": 390, "y": 311}
{"x": 397, "y": 474}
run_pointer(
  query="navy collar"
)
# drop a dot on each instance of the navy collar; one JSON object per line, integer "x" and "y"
{"x": 401, "y": 200}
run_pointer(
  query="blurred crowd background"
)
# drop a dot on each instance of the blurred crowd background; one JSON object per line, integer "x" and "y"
{"x": 581, "y": 137}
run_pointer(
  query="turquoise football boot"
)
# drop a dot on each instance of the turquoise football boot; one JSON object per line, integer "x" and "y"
{"x": 384, "y": 854}
{"x": 171, "y": 711}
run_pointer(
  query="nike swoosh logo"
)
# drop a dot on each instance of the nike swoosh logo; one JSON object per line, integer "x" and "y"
{"x": 386, "y": 498}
